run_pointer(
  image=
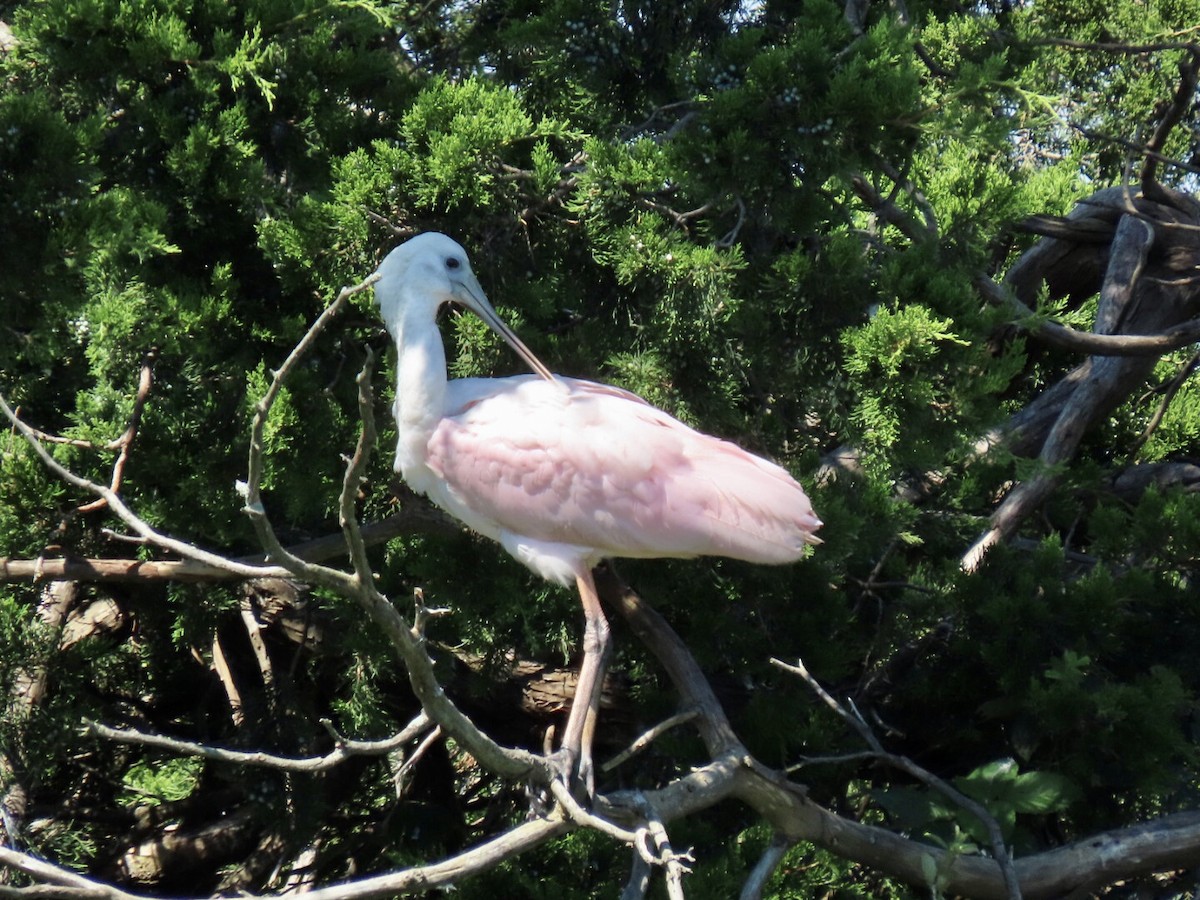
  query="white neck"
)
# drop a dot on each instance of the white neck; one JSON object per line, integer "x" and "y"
{"x": 420, "y": 375}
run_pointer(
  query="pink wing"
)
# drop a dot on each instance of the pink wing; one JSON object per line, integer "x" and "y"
{"x": 597, "y": 467}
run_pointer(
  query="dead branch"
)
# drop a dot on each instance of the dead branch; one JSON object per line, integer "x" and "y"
{"x": 415, "y": 517}
{"x": 1131, "y": 483}
{"x": 756, "y": 881}
{"x": 1139, "y": 297}
{"x": 648, "y": 737}
{"x": 25, "y": 694}
{"x": 634, "y": 816}
{"x": 418, "y": 879}
{"x": 190, "y": 849}
{"x": 1170, "y": 842}
{"x": 852, "y": 717}
{"x": 344, "y": 750}
{"x": 1168, "y": 394}
{"x": 401, "y": 774}
{"x": 125, "y": 441}
{"x": 139, "y": 526}
{"x": 1109, "y": 381}
{"x": 312, "y": 573}
{"x": 360, "y": 585}
{"x": 224, "y": 673}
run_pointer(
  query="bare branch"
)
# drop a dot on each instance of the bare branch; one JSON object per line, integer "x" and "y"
{"x": 457, "y": 868}
{"x": 1089, "y": 342}
{"x": 646, "y": 738}
{"x": 125, "y": 441}
{"x": 685, "y": 674}
{"x": 756, "y": 883}
{"x": 345, "y": 749}
{"x": 412, "y": 518}
{"x": 1169, "y": 392}
{"x": 676, "y": 864}
{"x": 639, "y": 878}
{"x": 334, "y": 579}
{"x": 572, "y": 810}
{"x": 180, "y": 548}
{"x": 423, "y": 614}
{"x": 903, "y": 763}
{"x": 225, "y": 676}
{"x": 401, "y": 776}
{"x": 1099, "y": 392}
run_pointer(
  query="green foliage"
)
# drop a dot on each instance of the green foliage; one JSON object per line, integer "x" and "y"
{"x": 999, "y": 787}
{"x": 896, "y": 367}
{"x": 676, "y": 198}
{"x": 147, "y": 784}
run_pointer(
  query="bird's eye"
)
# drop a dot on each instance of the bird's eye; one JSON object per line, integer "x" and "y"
{"x": 453, "y": 262}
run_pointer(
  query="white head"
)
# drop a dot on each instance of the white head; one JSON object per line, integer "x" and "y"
{"x": 429, "y": 270}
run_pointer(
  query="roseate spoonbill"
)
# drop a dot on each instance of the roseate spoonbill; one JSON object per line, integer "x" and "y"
{"x": 564, "y": 473}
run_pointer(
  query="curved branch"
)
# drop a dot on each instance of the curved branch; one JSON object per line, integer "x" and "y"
{"x": 412, "y": 518}
{"x": 481, "y": 858}
{"x": 139, "y": 526}
{"x": 345, "y": 749}
{"x": 360, "y": 586}
{"x": 334, "y": 579}
{"x": 978, "y": 810}
{"x": 1089, "y": 342}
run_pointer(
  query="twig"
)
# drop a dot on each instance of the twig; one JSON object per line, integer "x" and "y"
{"x": 344, "y": 750}
{"x": 117, "y": 505}
{"x": 355, "y": 472}
{"x": 125, "y": 441}
{"x": 409, "y": 764}
{"x": 852, "y": 717}
{"x": 423, "y": 614}
{"x": 1169, "y": 393}
{"x": 310, "y": 572}
{"x": 648, "y": 737}
{"x": 730, "y": 237}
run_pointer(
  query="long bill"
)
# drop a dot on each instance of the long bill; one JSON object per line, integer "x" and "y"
{"x": 472, "y": 297}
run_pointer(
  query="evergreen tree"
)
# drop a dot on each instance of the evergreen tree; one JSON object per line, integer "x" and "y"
{"x": 937, "y": 261}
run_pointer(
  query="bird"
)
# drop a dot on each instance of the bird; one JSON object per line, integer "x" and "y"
{"x": 564, "y": 473}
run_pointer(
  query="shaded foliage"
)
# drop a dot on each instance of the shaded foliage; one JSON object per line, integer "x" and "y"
{"x": 675, "y": 199}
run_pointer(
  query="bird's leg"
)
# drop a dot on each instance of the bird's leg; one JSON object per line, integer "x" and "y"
{"x": 581, "y": 723}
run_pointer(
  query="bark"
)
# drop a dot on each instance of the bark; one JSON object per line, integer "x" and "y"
{"x": 418, "y": 516}
{"x": 1141, "y": 255}
{"x": 27, "y": 690}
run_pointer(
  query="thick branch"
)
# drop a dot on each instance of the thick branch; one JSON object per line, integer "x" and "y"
{"x": 418, "y": 879}
{"x": 1089, "y": 342}
{"x": 1107, "y": 384}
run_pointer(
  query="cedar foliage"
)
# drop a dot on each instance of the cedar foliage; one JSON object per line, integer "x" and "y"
{"x": 668, "y": 199}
